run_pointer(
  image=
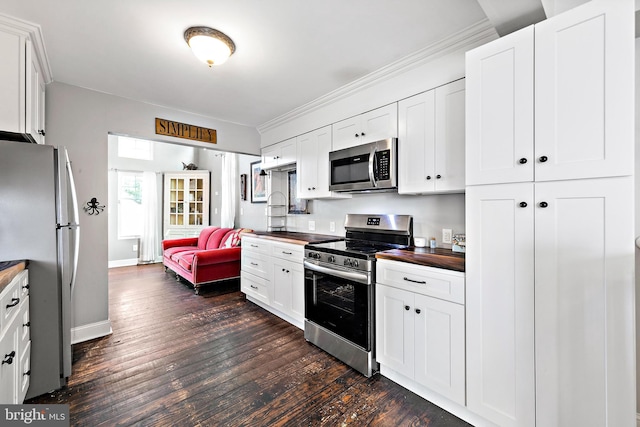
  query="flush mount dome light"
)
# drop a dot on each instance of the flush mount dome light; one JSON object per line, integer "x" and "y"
{"x": 210, "y": 46}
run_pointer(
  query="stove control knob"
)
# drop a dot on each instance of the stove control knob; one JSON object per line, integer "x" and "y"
{"x": 331, "y": 258}
{"x": 354, "y": 263}
{"x": 347, "y": 261}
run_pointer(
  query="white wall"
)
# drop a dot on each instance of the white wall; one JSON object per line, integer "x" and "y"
{"x": 81, "y": 120}
{"x": 637, "y": 224}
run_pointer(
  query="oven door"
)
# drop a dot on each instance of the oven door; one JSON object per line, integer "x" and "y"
{"x": 340, "y": 302}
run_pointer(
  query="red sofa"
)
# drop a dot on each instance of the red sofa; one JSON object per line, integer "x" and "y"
{"x": 210, "y": 257}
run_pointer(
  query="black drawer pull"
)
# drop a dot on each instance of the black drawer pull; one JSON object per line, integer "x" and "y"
{"x": 25, "y": 287}
{"x": 415, "y": 281}
{"x": 8, "y": 358}
{"x": 14, "y": 302}
{"x": 287, "y": 253}
{"x": 27, "y": 373}
{"x": 544, "y": 204}
{"x": 543, "y": 159}
{"x": 523, "y": 161}
{"x": 253, "y": 287}
{"x": 523, "y": 204}
{"x": 28, "y": 324}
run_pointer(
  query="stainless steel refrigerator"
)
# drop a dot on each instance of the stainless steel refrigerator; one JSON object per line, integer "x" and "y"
{"x": 39, "y": 223}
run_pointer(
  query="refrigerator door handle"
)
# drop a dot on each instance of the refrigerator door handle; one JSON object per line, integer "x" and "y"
{"x": 76, "y": 221}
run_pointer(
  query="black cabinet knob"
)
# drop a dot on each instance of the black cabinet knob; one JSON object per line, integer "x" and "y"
{"x": 417, "y": 311}
{"x": 357, "y": 135}
{"x": 523, "y": 204}
{"x": 406, "y": 307}
{"x": 428, "y": 177}
{"x": 438, "y": 176}
{"x": 8, "y": 358}
{"x": 523, "y": 161}
{"x": 41, "y": 132}
{"x": 543, "y": 159}
{"x": 362, "y": 133}
{"x": 543, "y": 204}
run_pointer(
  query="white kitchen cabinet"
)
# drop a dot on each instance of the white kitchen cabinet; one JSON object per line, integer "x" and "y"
{"x": 417, "y": 335}
{"x": 272, "y": 276}
{"x": 279, "y": 154}
{"x": 313, "y": 165}
{"x": 576, "y": 76}
{"x": 185, "y": 203}
{"x": 15, "y": 340}
{"x": 500, "y": 303}
{"x": 550, "y": 264}
{"x": 22, "y": 81}
{"x": 431, "y": 147}
{"x": 374, "y": 125}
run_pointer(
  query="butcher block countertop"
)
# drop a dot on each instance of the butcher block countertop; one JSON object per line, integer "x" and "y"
{"x": 9, "y": 270}
{"x": 296, "y": 237}
{"x": 438, "y": 257}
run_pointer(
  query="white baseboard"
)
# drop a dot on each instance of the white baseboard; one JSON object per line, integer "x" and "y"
{"x": 123, "y": 262}
{"x": 638, "y": 420}
{"x": 91, "y": 331}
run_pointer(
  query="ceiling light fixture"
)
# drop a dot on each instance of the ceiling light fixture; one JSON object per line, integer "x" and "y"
{"x": 208, "y": 45}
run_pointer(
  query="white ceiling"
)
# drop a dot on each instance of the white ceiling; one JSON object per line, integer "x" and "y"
{"x": 288, "y": 52}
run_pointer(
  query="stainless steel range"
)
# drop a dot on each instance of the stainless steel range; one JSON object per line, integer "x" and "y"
{"x": 339, "y": 286}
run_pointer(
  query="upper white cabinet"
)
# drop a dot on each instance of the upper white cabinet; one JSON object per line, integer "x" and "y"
{"x": 280, "y": 154}
{"x": 576, "y": 76}
{"x": 381, "y": 123}
{"x": 431, "y": 128}
{"x": 22, "y": 81}
{"x": 313, "y": 165}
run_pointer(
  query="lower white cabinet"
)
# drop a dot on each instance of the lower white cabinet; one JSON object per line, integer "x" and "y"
{"x": 418, "y": 335}
{"x": 272, "y": 275}
{"x": 550, "y": 303}
{"x": 15, "y": 344}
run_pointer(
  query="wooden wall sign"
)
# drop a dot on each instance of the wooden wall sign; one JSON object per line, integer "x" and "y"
{"x": 186, "y": 131}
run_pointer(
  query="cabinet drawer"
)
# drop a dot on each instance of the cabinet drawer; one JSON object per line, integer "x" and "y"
{"x": 256, "y": 245}
{"x": 257, "y": 264}
{"x": 288, "y": 251}
{"x": 255, "y": 287}
{"x": 23, "y": 325}
{"x": 439, "y": 283}
{"x": 10, "y": 299}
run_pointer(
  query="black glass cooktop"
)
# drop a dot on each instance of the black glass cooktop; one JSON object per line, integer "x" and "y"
{"x": 354, "y": 247}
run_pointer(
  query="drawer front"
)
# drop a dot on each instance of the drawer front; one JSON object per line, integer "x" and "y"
{"x": 258, "y": 264}
{"x": 256, "y": 245}
{"x": 10, "y": 299}
{"x": 436, "y": 282}
{"x": 288, "y": 251}
{"x": 23, "y": 325}
{"x": 255, "y": 287}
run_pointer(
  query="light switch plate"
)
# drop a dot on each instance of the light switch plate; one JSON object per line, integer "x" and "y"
{"x": 332, "y": 226}
{"x": 446, "y": 235}
{"x": 312, "y": 226}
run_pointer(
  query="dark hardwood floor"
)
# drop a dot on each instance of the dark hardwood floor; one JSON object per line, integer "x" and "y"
{"x": 215, "y": 359}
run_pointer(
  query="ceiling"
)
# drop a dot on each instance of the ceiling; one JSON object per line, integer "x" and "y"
{"x": 288, "y": 52}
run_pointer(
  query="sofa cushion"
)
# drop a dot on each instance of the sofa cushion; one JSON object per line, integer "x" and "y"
{"x": 171, "y": 252}
{"x": 186, "y": 261}
{"x": 176, "y": 256}
{"x": 205, "y": 234}
{"x": 233, "y": 238}
{"x": 216, "y": 237}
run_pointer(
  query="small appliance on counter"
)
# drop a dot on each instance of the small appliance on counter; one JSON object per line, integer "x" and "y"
{"x": 458, "y": 243}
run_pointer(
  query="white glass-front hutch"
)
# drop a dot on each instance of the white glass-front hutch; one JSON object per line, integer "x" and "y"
{"x": 186, "y": 203}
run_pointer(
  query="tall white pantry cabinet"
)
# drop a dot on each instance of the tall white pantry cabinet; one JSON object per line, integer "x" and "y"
{"x": 549, "y": 202}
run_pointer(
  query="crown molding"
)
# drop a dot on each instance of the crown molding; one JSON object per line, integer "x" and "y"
{"x": 35, "y": 35}
{"x": 482, "y": 30}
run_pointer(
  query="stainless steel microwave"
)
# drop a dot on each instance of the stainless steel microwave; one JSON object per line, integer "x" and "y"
{"x": 367, "y": 167}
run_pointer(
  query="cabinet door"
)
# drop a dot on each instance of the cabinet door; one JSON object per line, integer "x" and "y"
{"x": 381, "y": 123}
{"x": 8, "y": 371}
{"x": 313, "y": 165}
{"x": 439, "y": 346}
{"x": 584, "y": 103}
{"x": 35, "y": 96}
{"x": 270, "y": 156}
{"x": 346, "y": 133}
{"x": 12, "y": 80}
{"x": 282, "y": 280}
{"x": 499, "y": 128}
{"x": 584, "y": 303}
{"x": 395, "y": 329}
{"x": 416, "y": 143}
{"x": 500, "y": 303}
{"x": 297, "y": 293}
{"x": 450, "y": 134}
{"x": 287, "y": 152}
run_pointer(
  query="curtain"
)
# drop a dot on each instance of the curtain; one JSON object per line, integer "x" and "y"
{"x": 229, "y": 190}
{"x": 150, "y": 237}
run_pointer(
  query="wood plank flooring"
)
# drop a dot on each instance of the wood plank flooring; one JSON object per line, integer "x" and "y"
{"x": 215, "y": 359}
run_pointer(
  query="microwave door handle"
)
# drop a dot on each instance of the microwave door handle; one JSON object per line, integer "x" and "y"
{"x": 372, "y": 175}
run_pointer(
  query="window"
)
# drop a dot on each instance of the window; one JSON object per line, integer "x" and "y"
{"x": 129, "y": 205}
{"x": 135, "y": 148}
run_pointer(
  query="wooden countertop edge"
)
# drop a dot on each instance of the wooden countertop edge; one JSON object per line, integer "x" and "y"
{"x": 297, "y": 241}
{"x": 448, "y": 261}
{"x": 7, "y": 275}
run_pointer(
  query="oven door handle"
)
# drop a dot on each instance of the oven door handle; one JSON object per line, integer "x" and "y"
{"x": 348, "y": 275}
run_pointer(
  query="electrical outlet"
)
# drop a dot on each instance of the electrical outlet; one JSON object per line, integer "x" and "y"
{"x": 135, "y": 248}
{"x": 215, "y": 211}
{"x": 332, "y": 226}
{"x": 446, "y": 235}
{"x": 241, "y": 211}
{"x": 312, "y": 226}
